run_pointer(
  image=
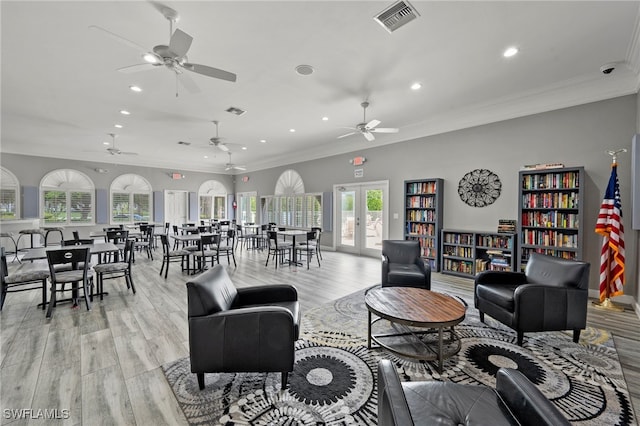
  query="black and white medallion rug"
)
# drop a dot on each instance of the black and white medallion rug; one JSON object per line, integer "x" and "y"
{"x": 334, "y": 378}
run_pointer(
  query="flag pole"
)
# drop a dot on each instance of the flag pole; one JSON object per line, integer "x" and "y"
{"x": 607, "y": 304}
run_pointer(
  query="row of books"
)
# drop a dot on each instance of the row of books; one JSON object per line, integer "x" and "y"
{"x": 457, "y": 266}
{"x": 421, "y": 215}
{"x": 486, "y": 265}
{"x": 495, "y": 241}
{"x": 457, "y": 238}
{"x": 457, "y": 251}
{"x": 542, "y": 166}
{"x": 549, "y": 238}
{"x": 421, "y": 228}
{"x": 550, "y": 200}
{"x": 418, "y": 201}
{"x": 506, "y": 226}
{"x": 550, "y": 219}
{"x": 551, "y": 181}
{"x": 421, "y": 188}
{"x": 425, "y": 242}
{"x": 526, "y": 252}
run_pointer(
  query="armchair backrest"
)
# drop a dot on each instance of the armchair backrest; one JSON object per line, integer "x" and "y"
{"x": 557, "y": 272}
{"x": 401, "y": 251}
{"x": 210, "y": 292}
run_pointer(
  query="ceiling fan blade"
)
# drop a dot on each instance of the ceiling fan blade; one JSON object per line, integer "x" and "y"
{"x": 368, "y": 136}
{"x": 210, "y": 72}
{"x": 136, "y": 68}
{"x": 222, "y": 147}
{"x": 128, "y": 153}
{"x": 372, "y": 124}
{"x": 241, "y": 168}
{"x": 121, "y": 39}
{"x": 346, "y": 134}
{"x": 188, "y": 83}
{"x": 180, "y": 43}
{"x": 385, "y": 130}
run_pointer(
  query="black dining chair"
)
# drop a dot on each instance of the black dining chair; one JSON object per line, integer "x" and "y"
{"x": 26, "y": 278}
{"x": 113, "y": 270}
{"x": 277, "y": 248}
{"x": 78, "y": 258}
{"x": 169, "y": 256}
{"x": 308, "y": 248}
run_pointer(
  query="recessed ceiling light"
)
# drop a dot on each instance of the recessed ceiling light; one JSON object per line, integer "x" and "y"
{"x": 416, "y": 86}
{"x": 124, "y": 112}
{"x": 304, "y": 69}
{"x": 263, "y": 141}
{"x": 325, "y": 118}
{"x": 292, "y": 130}
{"x": 206, "y": 156}
{"x": 152, "y": 59}
{"x": 118, "y": 126}
{"x": 244, "y": 148}
{"x": 510, "y": 51}
{"x": 135, "y": 89}
{"x": 106, "y": 143}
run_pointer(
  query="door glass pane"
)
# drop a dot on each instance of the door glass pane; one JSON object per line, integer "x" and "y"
{"x": 220, "y": 207}
{"x": 347, "y": 206}
{"x": 374, "y": 217}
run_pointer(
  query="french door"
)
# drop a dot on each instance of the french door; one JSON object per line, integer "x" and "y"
{"x": 361, "y": 217}
{"x": 176, "y": 207}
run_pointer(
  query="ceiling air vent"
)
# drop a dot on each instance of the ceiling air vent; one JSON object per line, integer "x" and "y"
{"x": 235, "y": 111}
{"x": 396, "y": 15}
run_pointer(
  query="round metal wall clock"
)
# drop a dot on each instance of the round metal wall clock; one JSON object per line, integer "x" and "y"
{"x": 479, "y": 188}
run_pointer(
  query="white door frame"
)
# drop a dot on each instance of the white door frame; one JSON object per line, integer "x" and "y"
{"x": 360, "y": 225}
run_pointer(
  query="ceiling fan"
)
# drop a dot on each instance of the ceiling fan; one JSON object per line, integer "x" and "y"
{"x": 231, "y": 166}
{"x": 116, "y": 151}
{"x": 172, "y": 56}
{"x": 368, "y": 128}
{"x": 217, "y": 141}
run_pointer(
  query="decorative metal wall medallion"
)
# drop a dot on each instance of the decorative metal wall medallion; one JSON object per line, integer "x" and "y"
{"x": 479, "y": 188}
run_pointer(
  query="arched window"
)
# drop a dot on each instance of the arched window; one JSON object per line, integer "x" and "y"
{"x": 130, "y": 199}
{"x": 212, "y": 200}
{"x": 290, "y": 206}
{"x": 9, "y": 205}
{"x": 289, "y": 183}
{"x": 68, "y": 198}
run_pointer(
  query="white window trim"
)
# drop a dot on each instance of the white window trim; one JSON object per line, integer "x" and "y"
{"x": 66, "y": 187}
{"x": 10, "y": 182}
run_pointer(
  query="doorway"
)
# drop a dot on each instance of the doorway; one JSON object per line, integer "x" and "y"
{"x": 176, "y": 207}
{"x": 362, "y": 215}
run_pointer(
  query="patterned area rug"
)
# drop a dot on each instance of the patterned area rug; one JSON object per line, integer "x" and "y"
{"x": 334, "y": 378}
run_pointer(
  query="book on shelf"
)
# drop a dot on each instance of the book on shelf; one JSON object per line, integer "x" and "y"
{"x": 506, "y": 226}
{"x": 542, "y": 166}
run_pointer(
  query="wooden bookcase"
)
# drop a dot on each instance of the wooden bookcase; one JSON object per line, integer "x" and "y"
{"x": 423, "y": 216}
{"x": 467, "y": 253}
{"x": 550, "y": 208}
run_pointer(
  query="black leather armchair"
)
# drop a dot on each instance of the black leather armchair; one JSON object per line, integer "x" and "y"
{"x": 514, "y": 401}
{"x": 251, "y": 329}
{"x": 402, "y": 265}
{"x": 550, "y": 295}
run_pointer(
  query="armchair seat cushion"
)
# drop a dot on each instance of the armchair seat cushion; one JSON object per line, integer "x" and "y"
{"x": 501, "y": 295}
{"x": 446, "y": 403}
{"x": 405, "y": 273}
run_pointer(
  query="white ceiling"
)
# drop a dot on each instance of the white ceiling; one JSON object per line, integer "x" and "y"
{"x": 61, "y": 93}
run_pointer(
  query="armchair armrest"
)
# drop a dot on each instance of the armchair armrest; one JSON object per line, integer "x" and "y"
{"x": 546, "y": 307}
{"x": 525, "y": 401}
{"x": 501, "y": 277}
{"x": 245, "y": 339}
{"x": 392, "y": 403}
{"x": 266, "y": 294}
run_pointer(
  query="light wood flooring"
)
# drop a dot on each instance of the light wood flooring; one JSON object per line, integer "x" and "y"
{"x": 103, "y": 365}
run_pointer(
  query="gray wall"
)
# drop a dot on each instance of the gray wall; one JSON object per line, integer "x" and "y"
{"x": 577, "y": 136}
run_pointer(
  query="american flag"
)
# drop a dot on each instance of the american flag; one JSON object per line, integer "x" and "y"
{"x": 609, "y": 225}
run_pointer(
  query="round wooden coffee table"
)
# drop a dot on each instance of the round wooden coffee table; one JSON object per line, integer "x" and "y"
{"x": 414, "y": 316}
